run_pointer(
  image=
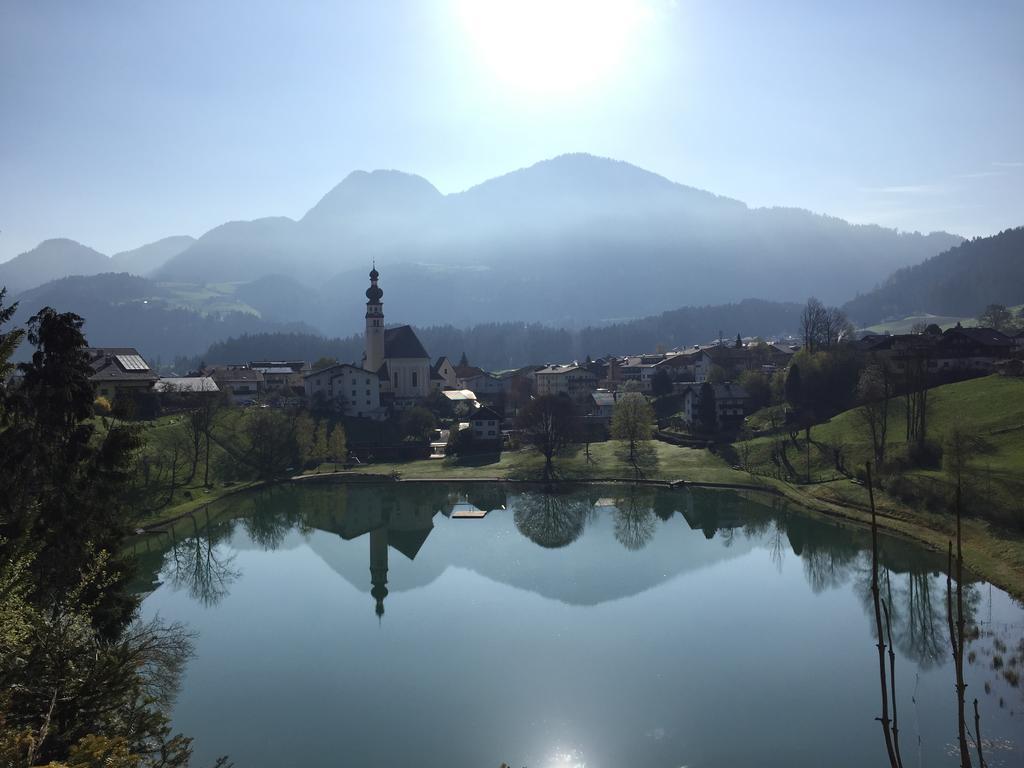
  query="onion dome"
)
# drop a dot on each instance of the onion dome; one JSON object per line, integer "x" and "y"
{"x": 373, "y": 293}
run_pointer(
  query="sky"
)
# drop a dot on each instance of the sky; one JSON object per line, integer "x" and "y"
{"x": 125, "y": 122}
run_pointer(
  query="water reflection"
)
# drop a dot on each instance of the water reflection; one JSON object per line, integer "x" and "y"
{"x": 198, "y": 554}
{"x": 650, "y": 661}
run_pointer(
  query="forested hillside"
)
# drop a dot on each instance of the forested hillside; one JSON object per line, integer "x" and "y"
{"x": 498, "y": 346}
{"x": 958, "y": 282}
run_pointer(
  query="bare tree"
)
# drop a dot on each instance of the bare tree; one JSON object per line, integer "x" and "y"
{"x": 835, "y": 327}
{"x": 873, "y": 391}
{"x": 549, "y": 423}
{"x": 812, "y": 323}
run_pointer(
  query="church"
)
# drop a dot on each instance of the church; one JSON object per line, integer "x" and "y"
{"x": 396, "y": 355}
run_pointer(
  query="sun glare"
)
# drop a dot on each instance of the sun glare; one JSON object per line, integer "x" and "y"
{"x": 552, "y": 45}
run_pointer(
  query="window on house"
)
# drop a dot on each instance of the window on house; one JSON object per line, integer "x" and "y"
{"x": 396, "y": 379}
{"x": 414, "y": 378}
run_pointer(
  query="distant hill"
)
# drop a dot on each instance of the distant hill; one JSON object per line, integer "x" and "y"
{"x": 571, "y": 241}
{"x": 958, "y": 282}
{"x": 125, "y": 310}
{"x": 49, "y": 260}
{"x": 54, "y": 259}
{"x": 147, "y": 258}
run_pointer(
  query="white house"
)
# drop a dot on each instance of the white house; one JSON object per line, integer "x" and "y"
{"x": 572, "y": 380}
{"x": 357, "y": 390}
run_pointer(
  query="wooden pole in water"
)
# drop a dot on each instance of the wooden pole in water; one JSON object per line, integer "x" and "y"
{"x": 884, "y": 719}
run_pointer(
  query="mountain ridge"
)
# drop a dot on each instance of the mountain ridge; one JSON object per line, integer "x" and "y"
{"x": 571, "y": 240}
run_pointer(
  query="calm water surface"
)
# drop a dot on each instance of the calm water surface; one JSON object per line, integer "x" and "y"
{"x": 607, "y": 626}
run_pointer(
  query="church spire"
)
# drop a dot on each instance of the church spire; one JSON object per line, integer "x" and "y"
{"x": 374, "y": 356}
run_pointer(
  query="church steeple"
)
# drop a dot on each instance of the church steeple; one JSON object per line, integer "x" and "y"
{"x": 374, "y": 357}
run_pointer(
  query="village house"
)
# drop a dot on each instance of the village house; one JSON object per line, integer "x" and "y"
{"x": 442, "y": 375}
{"x": 119, "y": 372}
{"x": 734, "y": 360}
{"x": 602, "y": 405}
{"x": 731, "y": 405}
{"x": 572, "y": 380}
{"x": 354, "y": 391}
{"x": 954, "y": 353}
{"x": 641, "y": 369}
{"x": 243, "y": 385}
{"x": 478, "y": 380}
{"x": 485, "y": 424}
{"x": 278, "y": 378}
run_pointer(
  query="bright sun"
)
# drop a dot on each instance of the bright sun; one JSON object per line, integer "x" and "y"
{"x": 552, "y": 45}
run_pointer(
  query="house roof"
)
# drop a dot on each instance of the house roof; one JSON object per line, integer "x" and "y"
{"x": 485, "y": 414}
{"x": 560, "y": 369}
{"x": 186, "y": 384}
{"x": 602, "y": 399}
{"x": 118, "y": 364}
{"x": 275, "y": 370}
{"x": 468, "y": 371}
{"x": 440, "y": 361}
{"x": 236, "y": 374}
{"x": 987, "y": 336}
{"x": 337, "y": 367}
{"x": 403, "y": 342}
{"x": 459, "y": 395}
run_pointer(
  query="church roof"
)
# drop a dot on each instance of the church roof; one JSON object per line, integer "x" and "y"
{"x": 403, "y": 342}
{"x": 409, "y": 542}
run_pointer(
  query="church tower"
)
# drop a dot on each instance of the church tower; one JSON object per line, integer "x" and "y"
{"x": 374, "y": 357}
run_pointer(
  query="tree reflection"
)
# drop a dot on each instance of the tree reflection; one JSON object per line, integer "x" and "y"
{"x": 551, "y": 520}
{"x": 196, "y": 563}
{"x": 634, "y": 518}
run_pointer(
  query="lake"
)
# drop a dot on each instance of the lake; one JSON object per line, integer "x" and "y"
{"x": 391, "y": 625}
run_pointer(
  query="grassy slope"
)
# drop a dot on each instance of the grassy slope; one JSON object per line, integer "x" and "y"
{"x": 905, "y": 324}
{"x": 194, "y": 495}
{"x": 993, "y": 408}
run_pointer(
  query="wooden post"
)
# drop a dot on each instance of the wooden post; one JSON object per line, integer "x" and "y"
{"x": 884, "y": 719}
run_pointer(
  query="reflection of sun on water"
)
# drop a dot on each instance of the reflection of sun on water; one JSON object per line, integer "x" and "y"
{"x": 552, "y": 45}
{"x": 571, "y": 759}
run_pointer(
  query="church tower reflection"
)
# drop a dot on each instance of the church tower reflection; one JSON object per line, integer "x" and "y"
{"x": 379, "y": 568}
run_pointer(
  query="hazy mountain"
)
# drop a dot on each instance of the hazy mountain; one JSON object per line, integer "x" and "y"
{"x": 124, "y": 310}
{"x": 49, "y": 260}
{"x": 958, "y": 282}
{"x": 58, "y": 258}
{"x": 573, "y": 240}
{"x": 238, "y": 251}
{"x": 146, "y": 258}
